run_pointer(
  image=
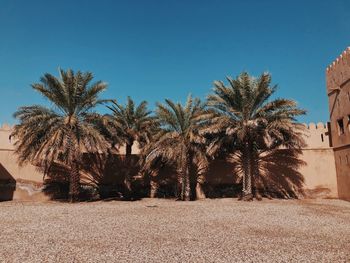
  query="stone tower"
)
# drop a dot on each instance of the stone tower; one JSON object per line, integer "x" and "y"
{"x": 338, "y": 91}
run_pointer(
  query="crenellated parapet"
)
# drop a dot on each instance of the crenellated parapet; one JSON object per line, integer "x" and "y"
{"x": 317, "y": 135}
{"x": 5, "y": 142}
{"x": 6, "y": 127}
{"x": 338, "y": 72}
{"x": 312, "y": 126}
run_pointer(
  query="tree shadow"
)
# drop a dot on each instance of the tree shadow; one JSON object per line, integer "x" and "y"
{"x": 7, "y": 184}
{"x": 278, "y": 177}
{"x": 56, "y": 182}
{"x": 279, "y": 174}
{"x": 163, "y": 177}
{"x": 101, "y": 178}
{"x": 104, "y": 173}
{"x": 222, "y": 180}
{"x": 107, "y": 174}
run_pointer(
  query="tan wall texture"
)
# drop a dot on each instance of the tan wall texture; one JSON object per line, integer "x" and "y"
{"x": 8, "y": 160}
{"x": 28, "y": 179}
{"x": 338, "y": 90}
{"x": 317, "y": 136}
{"x": 342, "y": 157}
{"x": 319, "y": 171}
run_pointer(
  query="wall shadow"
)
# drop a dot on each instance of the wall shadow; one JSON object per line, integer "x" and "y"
{"x": 222, "y": 180}
{"x": 107, "y": 175}
{"x": 56, "y": 182}
{"x": 7, "y": 184}
{"x": 279, "y": 174}
{"x": 166, "y": 180}
{"x": 101, "y": 177}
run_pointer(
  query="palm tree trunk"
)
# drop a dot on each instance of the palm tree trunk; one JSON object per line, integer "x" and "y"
{"x": 202, "y": 170}
{"x": 178, "y": 185}
{"x": 184, "y": 178}
{"x": 182, "y": 182}
{"x": 154, "y": 185}
{"x": 187, "y": 193}
{"x": 127, "y": 178}
{"x": 245, "y": 168}
{"x": 128, "y": 148}
{"x": 187, "y": 182}
{"x": 154, "y": 189}
{"x": 199, "y": 191}
{"x": 243, "y": 179}
{"x": 74, "y": 182}
{"x": 255, "y": 175}
{"x": 247, "y": 179}
{"x": 181, "y": 177}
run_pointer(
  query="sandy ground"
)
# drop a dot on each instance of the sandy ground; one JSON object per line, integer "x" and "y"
{"x": 156, "y": 230}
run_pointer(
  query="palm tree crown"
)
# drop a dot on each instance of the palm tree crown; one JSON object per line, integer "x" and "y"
{"x": 246, "y": 117}
{"x": 61, "y": 133}
{"x": 125, "y": 126}
{"x": 130, "y": 123}
{"x": 179, "y": 141}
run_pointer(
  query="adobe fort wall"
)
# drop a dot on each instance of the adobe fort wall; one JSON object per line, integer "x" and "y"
{"x": 338, "y": 91}
{"x": 28, "y": 180}
{"x": 317, "y": 136}
{"x": 318, "y": 171}
{"x": 338, "y": 72}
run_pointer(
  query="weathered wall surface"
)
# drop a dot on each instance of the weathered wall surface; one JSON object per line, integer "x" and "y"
{"x": 319, "y": 171}
{"x": 9, "y": 160}
{"x": 342, "y": 157}
{"x": 338, "y": 90}
{"x": 17, "y": 183}
{"x": 317, "y": 136}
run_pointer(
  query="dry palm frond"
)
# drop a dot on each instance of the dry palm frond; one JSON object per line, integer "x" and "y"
{"x": 61, "y": 133}
{"x": 180, "y": 141}
{"x": 247, "y": 120}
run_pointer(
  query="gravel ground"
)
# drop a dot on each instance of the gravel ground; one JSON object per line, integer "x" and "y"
{"x": 158, "y": 230}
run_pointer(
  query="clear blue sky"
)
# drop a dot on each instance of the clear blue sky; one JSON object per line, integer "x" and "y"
{"x": 166, "y": 49}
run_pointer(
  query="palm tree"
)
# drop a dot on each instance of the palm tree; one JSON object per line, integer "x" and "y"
{"x": 179, "y": 141}
{"x": 129, "y": 124}
{"x": 63, "y": 132}
{"x": 252, "y": 124}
